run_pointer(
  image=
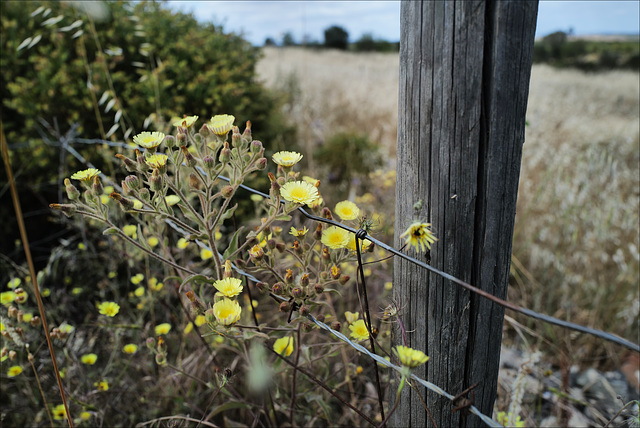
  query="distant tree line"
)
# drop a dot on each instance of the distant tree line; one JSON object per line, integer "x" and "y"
{"x": 336, "y": 37}
{"x": 561, "y": 50}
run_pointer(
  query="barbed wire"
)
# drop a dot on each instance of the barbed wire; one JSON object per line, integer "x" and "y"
{"x": 362, "y": 233}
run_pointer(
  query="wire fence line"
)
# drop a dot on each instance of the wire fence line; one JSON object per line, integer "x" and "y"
{"x": 360, "y": 234}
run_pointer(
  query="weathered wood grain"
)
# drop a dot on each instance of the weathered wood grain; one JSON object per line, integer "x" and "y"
{"x": 464, "y": 81}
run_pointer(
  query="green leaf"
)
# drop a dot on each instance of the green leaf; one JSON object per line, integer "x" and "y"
{"x": 228, "y": 213}
{"x": 110, "y": 231}
{"x": 233, "y": 245}
{"x": 284, "y": 217}
{"x": 230, "y": 405}
{"x": 195, "y": 278}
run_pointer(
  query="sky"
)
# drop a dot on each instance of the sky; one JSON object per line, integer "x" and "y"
{"x": 257, "y": 20}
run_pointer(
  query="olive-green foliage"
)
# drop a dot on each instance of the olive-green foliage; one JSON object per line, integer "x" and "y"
{"x": 347, "y": 156}
{"x": 141, "y": 59}
{"x": 336, "y": 37}
{"x": 367, "y": 43}
{"x": 558, "y": 50}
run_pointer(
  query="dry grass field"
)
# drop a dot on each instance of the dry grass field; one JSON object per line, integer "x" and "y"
{"x": 577, "y": 229}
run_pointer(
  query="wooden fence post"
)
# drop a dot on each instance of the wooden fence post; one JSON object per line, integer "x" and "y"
{"x": 464, "y": 82}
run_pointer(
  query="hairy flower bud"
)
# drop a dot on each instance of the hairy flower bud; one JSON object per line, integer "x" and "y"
{"x": 72, "y": 192}
{"x": 181, "y": 139}
{"x": 261, "y": 164}
{"x": 256, "y": 146}
{"x": 155, "y": 181}
{"x": 225, "y": 153}
{"x": 247, "y": 131}
{"x": 144, "y": 194}
{"x": 132, "y": 181}
{"x": 344, "y": 279}
{"x": 205, "y": 131}
{"x": 297, "y": 292}
{"x": 129, "y": 164}
{"x": 188, "y": 157}
{"x": 318, "y": 288}
{"x": 209, "y": 162}
{"x": 280, "y": 247}
{"x": 141, "y": 163}
{"x": 194, "y": 182}
{"x": 284, "y": 307}
{"x": 125, "y": 203}
{"x": 227, "y": 191}
{"x": 97, "y": 186}
{"x": 304, "y": 310}
{"x": 278, "y": 288}
{"x": 67, "y": 209}
{"x": 169, "y": 141}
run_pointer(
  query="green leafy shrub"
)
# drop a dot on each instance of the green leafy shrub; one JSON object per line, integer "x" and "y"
{"x": 336, "y": 37}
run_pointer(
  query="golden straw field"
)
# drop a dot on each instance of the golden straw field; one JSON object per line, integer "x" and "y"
{"x": 575, "y": 253}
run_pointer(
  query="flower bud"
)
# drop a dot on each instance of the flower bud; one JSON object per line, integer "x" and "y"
{"x": 132, "y": 181}
{"x": 169, "y": 141}
{"x": 256, "y": 146}
{"x": 280, "y": 247}
{"x": 288, "y": 277}
{"x": 247, "y": 131}
{"x": 162, "y": 345}
{"x": 225, "y": 153}
{"x": 129, "y": 164}
{"x": 326, "y": 256}
{"x": 284, "y": 307}
{"x": 326, "y": 213}
{"x": 12, "y": 312}
{"x": 97, "y": 186}
{"x": 30, "y": 357}
{"x": 335, "y": 272}
{"x": 125, "y": 188}
{"x": 304, "y": 280}
{"x": 317, "y": 234}
{"x": 209, "y": 162}
{"x": 236, "y": 138}
{"x": 188, "y": 157}
{"x": 261, "y": 286}
{"x": 271, "y": 244}
{"x": 156, "y": 181}
{"x": 304, "y": 310}
{"x": 72, "y": 192}
{"x": 141, "y": 163}
{"x": 297, "y": 292}
{"x": 205, "y": 131}
{"x": 67, "y": 209}
{"x": 181, "y": 139}
{"x": 144, "y": 194}
{"x": 278, "y": 288}
{"x": 194, "y": 182}
{"x": 344, "y": 279}
{"x": 20, "y": 316}
{"x": 209, "y": 316}
{"x": 161, "y": 359}
{"x": 318, "y": 288}
{"x": 12, "y": 355}
{"x": 89, "y": 197}
{"x": 256, "y": 253}
{"x": 151, "y": 343}
{"x": 261, "y": 164}
{"x": 227, "y": 191}
{"x": 125, "y": 204}
{"x": 324, "y": 276}
{"x": 336, "y": 325}
{"x": 35, "y": 321}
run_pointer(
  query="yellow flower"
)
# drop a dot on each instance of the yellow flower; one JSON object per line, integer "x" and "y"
{"x": 22, "y": 296}
{"x": 14, "y": 283}
{"x": 163, "y": 328}
{"x": 418, "y": 235}
{"x": 229, "y": 287}
{"x": 227, "y": 311}
{"x": 351, "y": 317}
{"x": 81, "y": 246}
{"x": 284, "y": 346}
{"x": 286, "y": 158}
{"x": 359, "y": 330}
{"x": 14, "y": 371}
{"x": 59, "y": 412}
{"x": 66, "y": 328}
{"x": 138, "y": 292}
{"x": 86, "y": 175}
{"x": 172, "y": 199}
{"x": 154, "y": 285}
{"x": 27, "y": 317}
{"x": 200, "y": 320}
{"x": 186, "y": 121}
{"x": 148, "y": 140}
{"x": 188, "y": 328}
{"x": 111, "y": 275}
{"x": 410, "y": 357}
{"x": 89, "y": 359}
{"x": 157, "y": 161}
{"x": 388, "y": 285}
{"x": 103, "y": 385}
{"x": 182, "y": 243}
{"x": 299, "y": 233}
{"x": 220, "y": 124}
{"x": 137, "y": 205}
{"x": 347, "y": 210}
{"x": 205, "y": 253}
{"x": 335, "y": 237}
{"x": 7, "y": 297}
{"x": 85, "y": 416}
{"x": 311, "y": 180}
{"x": 130, "y": 230}
{"x": 109, "y": 309}
{"x": 130, "y": 348}
{"x": 503, "y": 419}
{"x": 137, "y": 279}
{"x": 76, "y": 290}
{"x": 359, "y": 370}
{"x": 299, "y": 192}
{"x": 317, "y": 203}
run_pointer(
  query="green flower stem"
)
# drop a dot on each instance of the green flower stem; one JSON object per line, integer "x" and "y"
{"x": 176, "y": 189}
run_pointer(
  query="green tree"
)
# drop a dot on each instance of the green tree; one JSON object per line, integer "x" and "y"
{"x": 336, "y": 37}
